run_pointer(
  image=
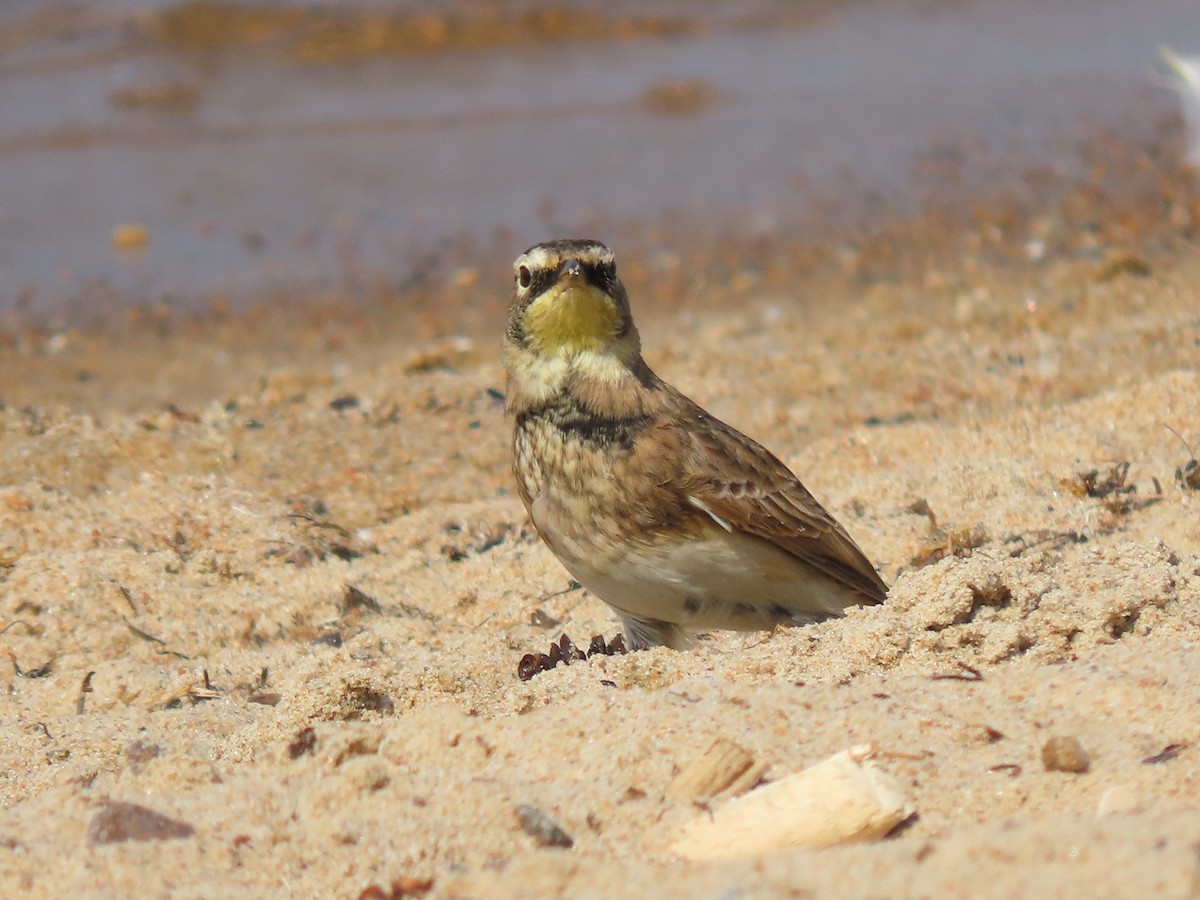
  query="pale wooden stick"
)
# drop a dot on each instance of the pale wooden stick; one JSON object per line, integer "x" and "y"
{"x": 843, "y": 799}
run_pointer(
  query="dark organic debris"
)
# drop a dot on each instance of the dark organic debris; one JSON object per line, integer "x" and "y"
{"x": 959, "y": 542}
{"x": 1020, "y": 544}
{"x": 346, "y": 401}
{"x": 85, "y": 688}
{"x": 967, "y": 673}
{"x": 322, "y": 538}
{"x": 304, "y": 743}
{"x": 353, "y": 599}
{"x": 181, "y": 414}
{"x": 400, "y": 888}
{"x": 1122, "y": 264}
{"x": 119, "y": 822}
{"x": 357, "y": 699}
{"x": 412, "y": 611}
{"x": 195, "y": 694}
{"x": 1169, "y": 752}
{"x": 542, "y": 828}
{"x": 921, "y": 507}
{"x": 541, "y": 619}
{"x": 565, "y": 652}
{"x": 141, "y": 751}
{"x": 128, "y": 595}
{"x": 40, "y": 672}
{"x": 531, "y": 664}
{"x": 480, "y": 539}
{"x": 1118, "y": 496}
{"x": 329, "y": 639}
{"x": 1012, "y": 770}
{"x": 1092, "y": 484}
{"x": 572, "y": 585}
{"x": 144, "y": 635}
{"x": 1187, "y": 476}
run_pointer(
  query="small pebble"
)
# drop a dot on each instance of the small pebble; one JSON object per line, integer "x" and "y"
{"x": 1119, "y": 799}
{"x": 1065, "y": 754}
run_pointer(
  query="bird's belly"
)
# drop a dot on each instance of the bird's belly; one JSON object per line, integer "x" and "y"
{"x": 714, "y": 579}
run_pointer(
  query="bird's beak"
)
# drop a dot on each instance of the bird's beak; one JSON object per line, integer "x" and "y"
{"x": 572, "y": 269}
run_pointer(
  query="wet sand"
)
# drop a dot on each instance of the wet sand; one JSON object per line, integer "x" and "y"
{"x": 177, "y": 554}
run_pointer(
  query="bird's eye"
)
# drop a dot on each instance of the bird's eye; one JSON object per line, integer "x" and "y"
{"x": 523, "y": 277}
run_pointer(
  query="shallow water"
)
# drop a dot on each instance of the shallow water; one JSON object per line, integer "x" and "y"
{"x": 253, "y": 170}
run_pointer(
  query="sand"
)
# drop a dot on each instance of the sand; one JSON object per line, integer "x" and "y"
{"x": 175, "y": 593}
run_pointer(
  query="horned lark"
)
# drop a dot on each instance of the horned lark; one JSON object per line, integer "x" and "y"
{"x": 670, "y": 516}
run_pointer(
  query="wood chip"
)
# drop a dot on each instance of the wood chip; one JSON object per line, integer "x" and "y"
{"x": 725, "y": 769}
{"x": 844, "y": 799}
{"x": 1117, "y": 800}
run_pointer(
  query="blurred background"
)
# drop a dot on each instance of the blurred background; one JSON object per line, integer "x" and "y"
{"x": 205, "y": 158}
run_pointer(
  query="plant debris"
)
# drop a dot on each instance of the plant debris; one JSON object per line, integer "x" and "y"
{"x": 1091, "y": 484}
{"x": 321, "y": 539}
{"x": 565, "y": 652}
{"x": 85, "y": 688}
{"x": 542, "y": 619}
{"x": 725, "y": 769}
{"x": 400, "y": 888}
{"x": 40, "y": 672}
{"x": 968, "y": 673}
{"x": 138, "y": 752}
{"x": 542, "y": 828}
{"x": 1168, "y": 753}
{"x": 119, "y": 822}
{"x": 1187, "y": 476}
{"x": 959, "y": 543}
{"x": 1042, "y": 540}
{"x": 304, "y": 743}
{"x": 144, "y": 635}
{"x": 1119, "y": 497}
{"x": 193, "y": 693}
{"x": 353, "y": 599}
{"x": 481, "y": 538}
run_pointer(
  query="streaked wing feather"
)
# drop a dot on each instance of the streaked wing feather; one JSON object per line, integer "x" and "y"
{"x": 775, "y": 506}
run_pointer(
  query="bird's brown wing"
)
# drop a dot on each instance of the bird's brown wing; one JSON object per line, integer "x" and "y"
{"x": 747, "y": 489}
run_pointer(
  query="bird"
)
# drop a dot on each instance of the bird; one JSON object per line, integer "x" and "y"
{"x": 676, "y": 520}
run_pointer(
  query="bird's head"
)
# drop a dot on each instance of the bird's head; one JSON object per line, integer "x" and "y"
{"x": 569, "y": 327}
{"x": 568, "y": 301}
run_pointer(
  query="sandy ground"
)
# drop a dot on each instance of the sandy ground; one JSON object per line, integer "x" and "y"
{"x": 174, "y": 593}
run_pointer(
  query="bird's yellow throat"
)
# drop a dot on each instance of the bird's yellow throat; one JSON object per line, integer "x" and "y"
{"x": 571, "y": 319}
